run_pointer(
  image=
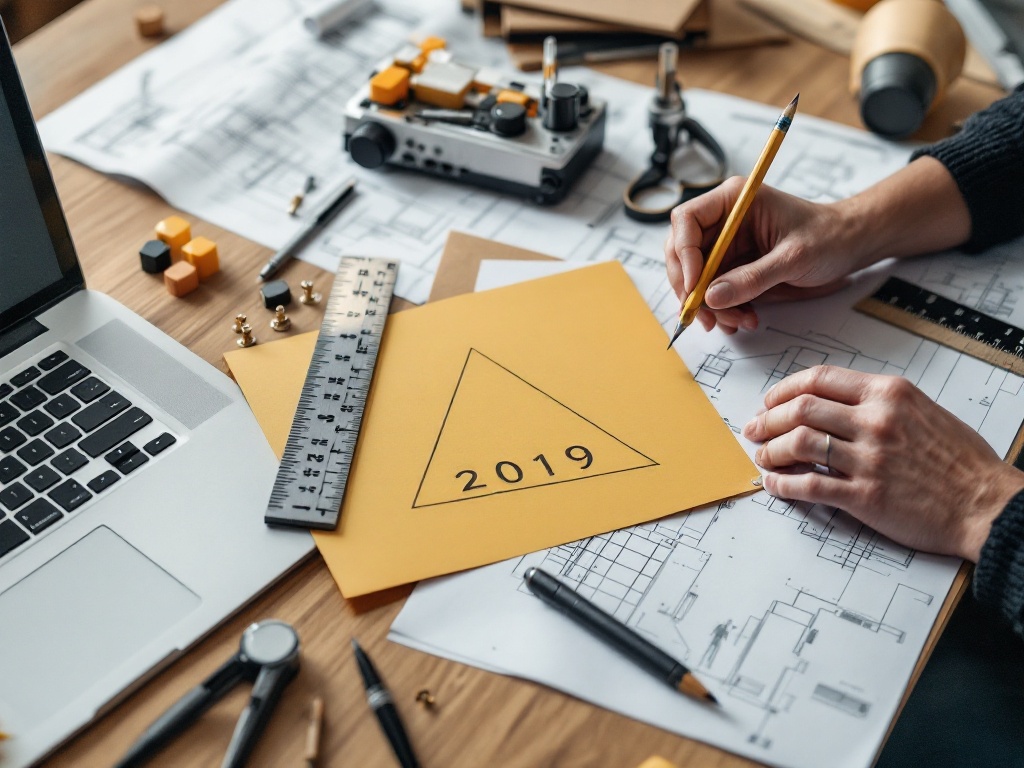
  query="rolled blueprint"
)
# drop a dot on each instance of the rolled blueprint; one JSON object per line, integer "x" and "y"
{"x": 331, "y": 14}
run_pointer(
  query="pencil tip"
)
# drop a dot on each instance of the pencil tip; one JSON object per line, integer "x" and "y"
{"x": 675, "y": 334}
{"x": 356, "y": 646}
{"x": 711, "y": 697}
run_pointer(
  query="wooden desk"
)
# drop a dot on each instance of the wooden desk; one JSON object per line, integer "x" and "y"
{"x": 481, "y": 719}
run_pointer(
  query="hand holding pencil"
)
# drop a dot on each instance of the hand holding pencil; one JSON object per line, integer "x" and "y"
{"x": 689, "y": 239}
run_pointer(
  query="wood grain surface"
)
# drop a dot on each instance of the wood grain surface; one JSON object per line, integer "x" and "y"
{"x": 480, "y": 719}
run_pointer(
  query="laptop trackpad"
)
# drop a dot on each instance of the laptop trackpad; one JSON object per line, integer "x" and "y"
{"x": 76, "y": 617}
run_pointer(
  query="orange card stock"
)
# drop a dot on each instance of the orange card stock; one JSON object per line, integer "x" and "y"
{"x": 507, "y": 421}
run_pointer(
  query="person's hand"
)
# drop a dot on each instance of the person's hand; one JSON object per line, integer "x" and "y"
{"x": 896, "y": 461}
{"x": 785, "y": 249}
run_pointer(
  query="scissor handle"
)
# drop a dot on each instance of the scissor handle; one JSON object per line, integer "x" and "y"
{"x": 658, "y": 171}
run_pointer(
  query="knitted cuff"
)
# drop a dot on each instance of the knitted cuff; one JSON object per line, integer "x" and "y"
{"x": 986, "y": 159}
{"x": 999, "y": 576}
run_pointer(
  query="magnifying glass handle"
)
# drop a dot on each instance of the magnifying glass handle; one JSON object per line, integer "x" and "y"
{"x": 269, "y": 685}
{"x": 184, "y": 712}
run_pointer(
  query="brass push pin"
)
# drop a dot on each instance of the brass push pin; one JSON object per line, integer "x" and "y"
{"x": 425, "y": 698}
{"x": 296, "y": 201}
{"x": 240, "y": 320}
{"x": 308, "y": 297}
{"x": 281, "y": 321}
{"x": 247, "y": 340}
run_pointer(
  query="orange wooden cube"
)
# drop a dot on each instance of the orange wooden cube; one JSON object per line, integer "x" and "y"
{"x": 174, "y": 231}
{"x": 202, "y": 254}
{"x": 432, "y": 43}
{"x": 180, "y": 279}
{"x": 390, "y": 86}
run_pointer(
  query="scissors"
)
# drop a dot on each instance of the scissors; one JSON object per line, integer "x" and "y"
{"x": 673, "y": 132}
{"x": 268, "y": 656}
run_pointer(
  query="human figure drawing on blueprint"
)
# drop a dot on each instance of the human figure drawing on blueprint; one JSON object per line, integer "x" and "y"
{"x": 891, "y": 457}
{"x": 718, "y": 635}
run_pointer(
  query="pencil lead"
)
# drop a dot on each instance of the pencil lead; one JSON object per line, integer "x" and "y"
{"x": 355, "y": 645}
{"x": 691, "y": 686}
{"x": 675, "y": 334}
{"x": 790, "y": 109}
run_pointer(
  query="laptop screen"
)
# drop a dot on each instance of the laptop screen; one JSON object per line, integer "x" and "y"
{"x": 37, "y": 258}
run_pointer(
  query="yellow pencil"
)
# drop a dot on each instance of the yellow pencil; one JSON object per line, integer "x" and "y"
{"x": 732, "y": 224}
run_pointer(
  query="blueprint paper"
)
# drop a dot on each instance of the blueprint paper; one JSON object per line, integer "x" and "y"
{"x": 806, "y": 624}
{"x": 228, "y": 118}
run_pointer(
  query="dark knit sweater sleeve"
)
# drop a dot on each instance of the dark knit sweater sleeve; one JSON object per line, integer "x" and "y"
{"x": 999, "y": 577}
{"x": 986, "y": 160}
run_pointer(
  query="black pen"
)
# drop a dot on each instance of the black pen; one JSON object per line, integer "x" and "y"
{"x": 612, "y": 631}
{"x": 379, "y": 699}
{"x": 320, "y": 220}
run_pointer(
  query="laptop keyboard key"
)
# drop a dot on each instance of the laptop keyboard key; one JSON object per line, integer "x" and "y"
{"x": 159, "y": 444}
{"x": 121, "y": 428}
{"x": 62, "y": 435}
{"x": 35, "y": 452}
{"x": 10, "y": 469}
{"x": 133, "y": 462}
{"x": 120, "y": 453}
{"x": 70, "y": 495}
{"x": 13, "y": 496}
{"x": 28, "y": 398}
{"x": 50, "y": 362}
{"x": 10, "y": 439}
{"x": 23, "y": 378}
{"x": 69, "y": 373}
{"x": 89, "y": 390}
{"x": 62, "y": 406}
{"x": 104, "y": 409}
{"x": 104, "y": 481}
{"x": 69, "y": 461}
{"x": 11, "y": 536}
{"x": 34, "y": 423}
{"x": 5, "y": 389}
{"x": 39, "y": 515}
{"x": 8, "y": 413}
{"x": 41, "y": 478}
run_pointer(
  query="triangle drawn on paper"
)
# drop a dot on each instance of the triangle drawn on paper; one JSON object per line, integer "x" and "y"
{"x": 502, "y": 434}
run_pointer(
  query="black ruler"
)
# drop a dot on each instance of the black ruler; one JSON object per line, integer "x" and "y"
{"x": 947, "y": 322}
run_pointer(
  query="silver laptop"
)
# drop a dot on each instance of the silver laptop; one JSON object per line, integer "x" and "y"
{"x": 133, "y": 476}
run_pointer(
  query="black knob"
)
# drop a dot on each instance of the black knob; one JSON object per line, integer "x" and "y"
{"x": 508, "y": 119}
{"x": 562, "y": 109}
{"x": 371, "y": 144}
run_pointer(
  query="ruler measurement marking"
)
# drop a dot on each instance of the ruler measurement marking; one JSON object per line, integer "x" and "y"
{"x": 318, "y": 454}
{"x": 948, "y": 323}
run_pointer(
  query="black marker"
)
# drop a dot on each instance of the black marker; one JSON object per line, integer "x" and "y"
{"x": 612, "y": 631}
{"x": 379, "y": 699}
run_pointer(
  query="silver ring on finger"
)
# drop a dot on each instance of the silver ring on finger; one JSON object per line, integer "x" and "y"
{"x": 828, "y": 453}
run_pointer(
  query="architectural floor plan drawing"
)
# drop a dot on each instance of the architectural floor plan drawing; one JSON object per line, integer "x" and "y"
{"x": 805, "y": 623}
{"x": 993, "y": 283}
{"x": 228, "y": 118}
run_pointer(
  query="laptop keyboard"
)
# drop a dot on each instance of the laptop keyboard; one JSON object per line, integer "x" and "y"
{"x": 66, "y": 438}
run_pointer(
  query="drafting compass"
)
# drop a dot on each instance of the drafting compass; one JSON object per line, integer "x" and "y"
{"x": 675, "y": 136}
{"x": 268, "y": 657}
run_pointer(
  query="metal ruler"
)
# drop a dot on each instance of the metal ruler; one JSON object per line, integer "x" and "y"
{"x": 314, "y": 470}
{"x": 947, "y": 322}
